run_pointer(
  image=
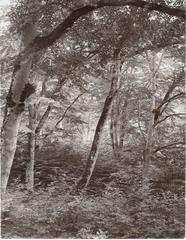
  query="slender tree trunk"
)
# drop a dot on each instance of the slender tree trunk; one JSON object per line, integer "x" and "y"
{"x": 149, "y": 140}
{"x": 118, "y": 125}
{"x": 43, "y": 119}
{"x": 32, "y": 140}
{"x": 31, "y": 148}
{"x": 113, "y": 132}
{"x": 19, "y": 91}
{"x": 91, "y": 161}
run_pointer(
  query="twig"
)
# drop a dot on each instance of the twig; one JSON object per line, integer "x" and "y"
{"x": 64, "y": 114}
{"x": 167, "y": 146}
{"x": 171, "y": 115}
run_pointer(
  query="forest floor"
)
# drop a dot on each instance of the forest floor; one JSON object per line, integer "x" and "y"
{"x": 113, "y": 206}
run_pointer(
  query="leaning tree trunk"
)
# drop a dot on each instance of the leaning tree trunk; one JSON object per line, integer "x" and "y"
{"x": 91, "y": 161}
{"x": 10, "y": 131}
{"x": 19, "y": 91}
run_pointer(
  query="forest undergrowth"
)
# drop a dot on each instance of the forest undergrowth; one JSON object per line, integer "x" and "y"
{"x": 114, "y": 205}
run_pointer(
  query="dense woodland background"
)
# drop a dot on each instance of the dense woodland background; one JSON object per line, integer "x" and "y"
{"x": 100, "y": 133}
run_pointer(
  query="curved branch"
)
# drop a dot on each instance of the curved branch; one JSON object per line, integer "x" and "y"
{"x": 43, "y": 42}
{"x": 177, "y": 12}
{"x": 171, "y": 115}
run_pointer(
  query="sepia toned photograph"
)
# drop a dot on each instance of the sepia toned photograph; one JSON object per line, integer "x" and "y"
{"x": 92, "y": 119}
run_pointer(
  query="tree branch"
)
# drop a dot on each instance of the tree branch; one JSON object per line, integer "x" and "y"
{"x": 43, "y": 119}
{"x": 167, "y": 146}
{"x": 147, "y": 5}
{"x": 64, "y": 114}
{"x": 179, "y": 95}
{"x": 167, "y": 99}
{"x": 152, "y": 46}
{"x": 43, "y": 42}
{"x": 171, "y": 115}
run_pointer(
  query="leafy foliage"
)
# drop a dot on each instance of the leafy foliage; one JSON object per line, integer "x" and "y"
{"x": 116, "y": 203}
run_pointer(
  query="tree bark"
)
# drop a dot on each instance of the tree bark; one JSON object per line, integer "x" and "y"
{"x": 151, "y": 127}
{"x": 118, "y": 124}
{"x": 10, "y": 132}
{"x": 149, "y": 140}
{"x": 113, "y": 132}
{"x": 19, "y": 91}
{"x": 32, "y": 141}
{"x": 31, "y": 148}
{"x": 91, "y": 161}
{"x": 43, "y": 119}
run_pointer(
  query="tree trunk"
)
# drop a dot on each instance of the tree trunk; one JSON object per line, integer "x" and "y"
{"x": 32, "y": 140}
{"x": 19, "y": 91}
{"x": 31, "y": 148}
{"x": 118, "y": 124}
{"x": 91, "y": 161}
{"x": 10, "y": 132}
{"x": 113, "y": 132}
{"x": 149, "y": 140}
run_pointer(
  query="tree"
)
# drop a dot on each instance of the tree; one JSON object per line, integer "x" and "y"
{"x": 20, "y": 90}
{"x": 154, "y": 69}
{"x": 17, "y": 96}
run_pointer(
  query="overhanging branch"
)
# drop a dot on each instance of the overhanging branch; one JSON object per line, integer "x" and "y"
{"x": 44, "y": 42}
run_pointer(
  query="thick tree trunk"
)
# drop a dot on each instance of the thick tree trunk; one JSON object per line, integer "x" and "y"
{"x": 19, "y": 91}
{"x": 10, "y": 132}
